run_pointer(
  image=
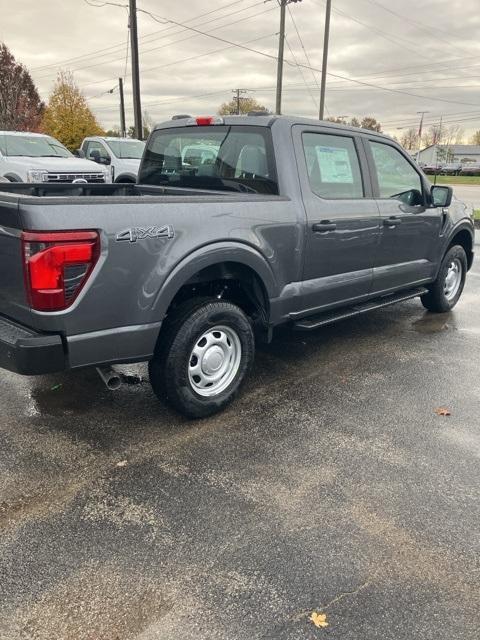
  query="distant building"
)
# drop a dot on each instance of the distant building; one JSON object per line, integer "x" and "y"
{"x": 463, "y": 153}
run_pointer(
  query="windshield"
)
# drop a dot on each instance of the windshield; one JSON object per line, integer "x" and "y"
{"x": 32, "y": 147}
{"x": 131, "y": 149}
{"x": 225, "y": 158}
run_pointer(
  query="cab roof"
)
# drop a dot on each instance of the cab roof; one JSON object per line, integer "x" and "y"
{"x": 26, "y": 133}
{"x": 269, "y": 120}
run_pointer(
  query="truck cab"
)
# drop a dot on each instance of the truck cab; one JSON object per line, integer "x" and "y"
{"x": 122, "y": 155}
{"x": 36, "y": 157}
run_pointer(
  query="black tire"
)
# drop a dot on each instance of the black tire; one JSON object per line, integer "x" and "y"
{"x": 436, "y": 299}
{"x": 170, "y": 369}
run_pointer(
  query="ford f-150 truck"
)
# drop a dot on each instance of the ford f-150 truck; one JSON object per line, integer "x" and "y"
{"x": 289, "y": 220}
{"x": 36, "y": 157}
{"x": 121, "y": 155}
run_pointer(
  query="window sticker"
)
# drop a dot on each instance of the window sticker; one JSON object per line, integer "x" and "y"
{"x": 334, "y": 165}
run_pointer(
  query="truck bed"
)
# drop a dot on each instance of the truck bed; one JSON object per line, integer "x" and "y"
{"x": 118, "y": 192}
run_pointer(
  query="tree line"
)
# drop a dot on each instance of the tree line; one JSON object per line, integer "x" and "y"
{"x": 67, "y": 116}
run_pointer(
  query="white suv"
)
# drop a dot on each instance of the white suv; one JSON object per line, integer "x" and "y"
{"x": 122, "y": 155}
{"x": 36, "y": 157}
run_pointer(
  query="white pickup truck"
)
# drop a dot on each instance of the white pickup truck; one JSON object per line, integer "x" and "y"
{"x": 122, "y": 155}
{"x": 36, "y": 157}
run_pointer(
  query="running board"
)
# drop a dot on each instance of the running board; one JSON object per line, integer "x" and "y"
{"x": 329, "y": 317}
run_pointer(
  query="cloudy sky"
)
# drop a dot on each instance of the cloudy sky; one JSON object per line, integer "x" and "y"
{"x": 388, "y": 59}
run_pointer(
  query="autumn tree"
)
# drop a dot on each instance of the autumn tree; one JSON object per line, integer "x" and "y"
{"x": 20, "y": 105}
{"x": 246, "y": 105}
{"x": 68, "y": 116}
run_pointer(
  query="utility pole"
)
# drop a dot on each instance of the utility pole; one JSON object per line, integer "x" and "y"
{"x": 326, "y": 36}
{"x": 137, "y": 107}
{"x": 123, "y": 131}
{"x": 420, "y": 129}
{"x": 237, "y": 98}
{"x": 281, "y": 47}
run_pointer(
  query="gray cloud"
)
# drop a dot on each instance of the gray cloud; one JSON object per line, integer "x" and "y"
{"x": 429, "y": 49}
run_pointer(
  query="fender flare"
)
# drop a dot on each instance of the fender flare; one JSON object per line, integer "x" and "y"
{"x": 13, "y": 177}
{"x": 462, "y": 225}
{"x": 208, "y": 256}
{"x": 131, "y": 177}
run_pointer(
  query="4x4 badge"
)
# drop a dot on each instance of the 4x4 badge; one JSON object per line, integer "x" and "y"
{"x": 140, "y": 233}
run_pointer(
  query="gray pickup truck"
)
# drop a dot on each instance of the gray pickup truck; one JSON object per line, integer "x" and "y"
{"x": 236, "y": 225}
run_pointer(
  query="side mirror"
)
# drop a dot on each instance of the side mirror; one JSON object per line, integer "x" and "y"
{"x": 441, "y": 196}
{"x": 79, "y": 153}
{"x": 105, "y": 160}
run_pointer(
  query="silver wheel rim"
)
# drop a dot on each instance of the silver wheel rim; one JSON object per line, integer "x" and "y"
{"x": 214, "y": 361}
{"x": 453, "y": 279}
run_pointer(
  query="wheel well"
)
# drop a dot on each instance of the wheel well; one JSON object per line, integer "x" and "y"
{"x": 464, "y": 239}
{"x": 125, "y": 178}
{"x": 230, "y": 281}
{"x": 12, "y": 177}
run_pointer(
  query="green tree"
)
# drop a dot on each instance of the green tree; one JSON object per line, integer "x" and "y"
{"x": 21, "y": 108}
{"x": 246, "y": 105}
{"x": 68, "y": 116}
{"x": 113, "y": 133}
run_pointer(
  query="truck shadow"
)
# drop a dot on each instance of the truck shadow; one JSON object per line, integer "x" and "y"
{"x": 78, "y": 402}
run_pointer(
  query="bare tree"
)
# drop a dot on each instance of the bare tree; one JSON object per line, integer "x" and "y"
{"x": 475, "y": 139}
{"x": 409, "y": 139}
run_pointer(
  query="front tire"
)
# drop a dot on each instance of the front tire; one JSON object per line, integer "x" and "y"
{"x": 203, "y": 354}
{"x": 445, "y": 292}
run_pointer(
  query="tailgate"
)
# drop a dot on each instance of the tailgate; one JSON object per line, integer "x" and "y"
{"x": 13, "y": 301}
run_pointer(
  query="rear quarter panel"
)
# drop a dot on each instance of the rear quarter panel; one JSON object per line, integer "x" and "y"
{"x": 126, "y": 284}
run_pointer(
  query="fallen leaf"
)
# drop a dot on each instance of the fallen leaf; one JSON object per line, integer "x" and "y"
{"x": 319, "y": 619}
{"x": 122, "y": 463}
{"x": 442, "y": 411}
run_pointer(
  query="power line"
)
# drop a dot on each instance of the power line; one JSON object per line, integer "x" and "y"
{"x": 420, "y": 25}
{"x": 121, "y": 45}
{"x": 168, "y": 44}
{"x": 314, "y": 100}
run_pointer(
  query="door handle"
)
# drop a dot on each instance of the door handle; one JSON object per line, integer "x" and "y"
{"x": 393, "y": 221}
{"x": 324, "y": 226}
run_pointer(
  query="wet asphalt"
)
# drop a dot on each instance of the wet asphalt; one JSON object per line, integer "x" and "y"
{"x": 329, "y": 486}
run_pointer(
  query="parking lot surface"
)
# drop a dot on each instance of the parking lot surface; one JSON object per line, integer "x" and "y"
{"x": 331, "y": 486}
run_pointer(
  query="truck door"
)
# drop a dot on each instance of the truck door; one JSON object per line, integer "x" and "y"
{"x": 408, "y": 245}
{"x": 342, "y": 217}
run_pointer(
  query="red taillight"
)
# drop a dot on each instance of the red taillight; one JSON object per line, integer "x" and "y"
{"x": 57, "y": 266}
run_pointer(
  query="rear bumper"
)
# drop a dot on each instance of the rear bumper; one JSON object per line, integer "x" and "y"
{"x": 26, "y": 352}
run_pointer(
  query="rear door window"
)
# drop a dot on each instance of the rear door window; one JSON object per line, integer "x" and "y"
{"x": 333, "y": 166}
{"x": 225, "y": 158}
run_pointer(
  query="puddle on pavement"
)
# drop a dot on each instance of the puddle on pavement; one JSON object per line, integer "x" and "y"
{"x": 433, "y": 323}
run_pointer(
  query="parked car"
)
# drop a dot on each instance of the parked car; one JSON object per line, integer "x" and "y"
{"x": 122, "y": 155}
{"x": 432, "y": 169}
{"x": 296, "y": 221}
{"x": 471, "y": 169}
{"x": 451, "y": 169}
{"x": 35, "y": 157}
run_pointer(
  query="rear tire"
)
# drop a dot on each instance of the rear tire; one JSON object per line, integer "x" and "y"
{"x": 445, "y": 292}
{"x": 203, "y": 354}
